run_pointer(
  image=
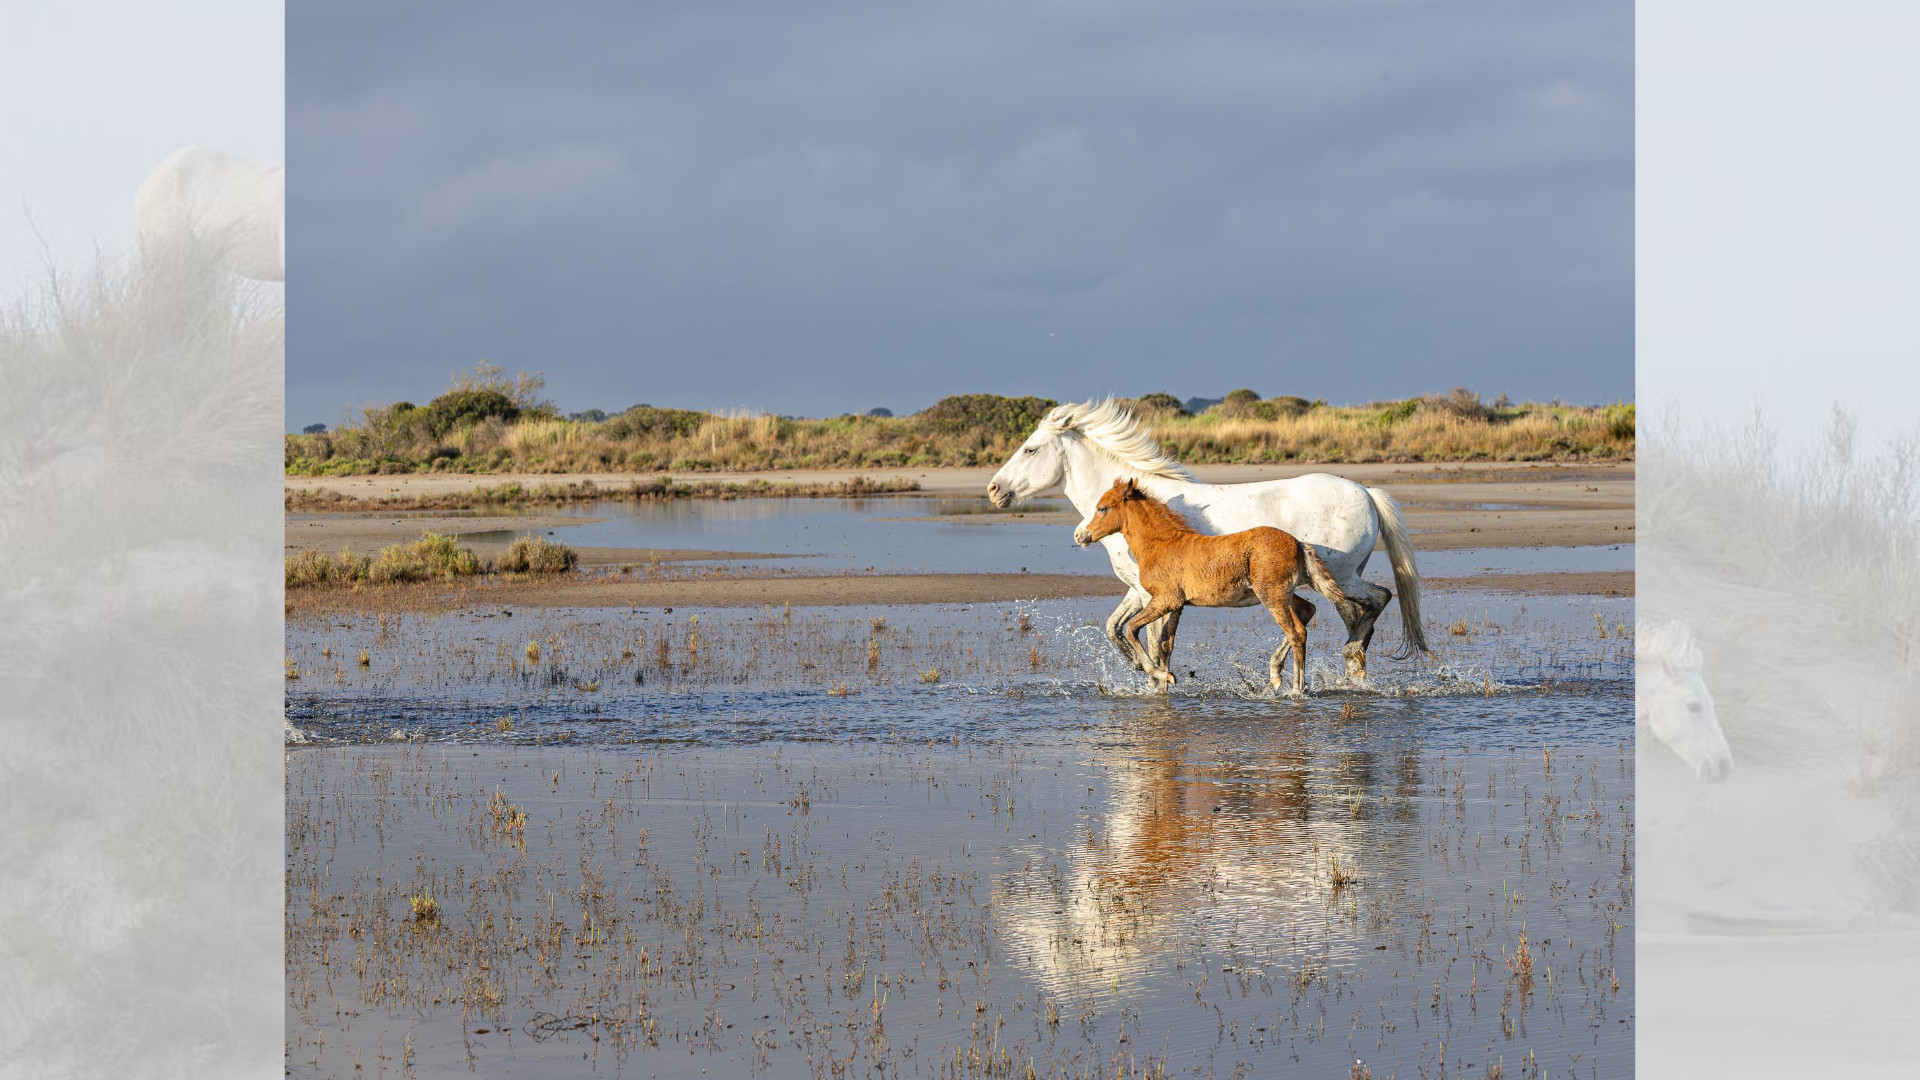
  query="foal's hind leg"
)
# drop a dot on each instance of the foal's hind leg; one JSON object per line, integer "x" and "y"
{"x": 1287, "y": 613}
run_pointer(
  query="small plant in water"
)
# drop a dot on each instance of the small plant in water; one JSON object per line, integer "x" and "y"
{"x": 293, "y": 669}
{"x": 505, "y": 723}
{"x": 365, "y": 660}
{"x": 931, "y": 675}
{"x": 426, "y": 910}
{"x": 1460, "y": 628}
{"x": 1341, "y": 874}
{"x": 533, "y": 652}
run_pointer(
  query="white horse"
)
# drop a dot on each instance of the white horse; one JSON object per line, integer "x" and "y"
{"x": 1085, "y": 448}
{"x": 1671, "y": 699}
{"x": 204, "y": 196}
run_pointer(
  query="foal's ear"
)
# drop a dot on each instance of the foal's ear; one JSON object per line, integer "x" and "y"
{"x": 1130, "y": 488}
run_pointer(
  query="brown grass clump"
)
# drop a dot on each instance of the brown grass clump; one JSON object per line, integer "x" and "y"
{"x": 431, "y": 556}
{"x": 317, "y": 568}
{"x": 533, "y": 555}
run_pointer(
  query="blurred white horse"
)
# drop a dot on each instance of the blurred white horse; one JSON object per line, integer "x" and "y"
{"x": 206, "y": 196}
{"x": 1671, "y": 698}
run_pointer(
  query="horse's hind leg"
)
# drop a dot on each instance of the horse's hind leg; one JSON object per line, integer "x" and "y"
{"x": 1360, "y": 611}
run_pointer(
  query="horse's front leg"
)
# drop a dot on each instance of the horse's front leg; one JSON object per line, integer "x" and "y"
{"x": 1130, "y": 605}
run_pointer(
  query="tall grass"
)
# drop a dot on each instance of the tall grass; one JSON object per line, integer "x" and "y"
{"x": 981, "y": 429}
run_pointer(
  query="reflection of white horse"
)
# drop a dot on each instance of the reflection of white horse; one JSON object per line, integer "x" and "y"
{"x": 1085, "y": 448}
{"x": 205, "y": 196}
{"x": 1671, "y": 698}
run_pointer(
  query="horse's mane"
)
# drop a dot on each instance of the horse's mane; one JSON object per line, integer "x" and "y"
{"x": 1114, "y": 429}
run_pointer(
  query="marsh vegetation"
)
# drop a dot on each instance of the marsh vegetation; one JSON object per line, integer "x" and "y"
{"x": 489, "y": 424}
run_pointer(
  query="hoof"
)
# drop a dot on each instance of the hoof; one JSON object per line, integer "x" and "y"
{"x": 1162, "y": 678}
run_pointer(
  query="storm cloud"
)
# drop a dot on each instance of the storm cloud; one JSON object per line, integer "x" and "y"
{"x": 825, "y": 207}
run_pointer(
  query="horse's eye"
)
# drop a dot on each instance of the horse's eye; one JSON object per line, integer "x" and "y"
{"x": 1031, "y": 449}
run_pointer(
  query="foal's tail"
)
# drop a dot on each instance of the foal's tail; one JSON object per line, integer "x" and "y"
{"x": 1393, "y": 529}
{"x": 1318, "y": 574}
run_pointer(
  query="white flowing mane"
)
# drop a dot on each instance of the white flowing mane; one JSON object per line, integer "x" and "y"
{"x": 1118, "y": 433}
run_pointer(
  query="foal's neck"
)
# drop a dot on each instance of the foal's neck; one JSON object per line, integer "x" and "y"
{"x": 1151, "y": 519}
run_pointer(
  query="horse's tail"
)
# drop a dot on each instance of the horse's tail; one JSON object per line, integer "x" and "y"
{"x": 1318, "y": 574}
{"x": 1393, "y": 529}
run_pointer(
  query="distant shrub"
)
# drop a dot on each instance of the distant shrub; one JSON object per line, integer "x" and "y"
{"x": 986, "y": 413}
{"x": 461, "y": 408}
{"x": 431, "y": 556}
{"x": 533, "y": 555}
{"x": 881, "y": 412}
{"x": 1155, "y": 405}
{"x": 1619, "y": 419}
{"x": 647, "y": 422}
{"x": 592, "y": 416}
{"x": 314, "y": 429}
{"x": 1459, "y": 402}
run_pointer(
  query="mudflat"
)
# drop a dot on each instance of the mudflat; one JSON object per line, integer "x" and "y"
{"x": 1451, "y": 507}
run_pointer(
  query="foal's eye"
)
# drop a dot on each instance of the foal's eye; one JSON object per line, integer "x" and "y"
{"x": 1101, "y": 509}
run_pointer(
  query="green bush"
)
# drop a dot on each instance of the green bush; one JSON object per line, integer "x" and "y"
{"x": 459, "y": 408}
{"x": 1013, "y": 418}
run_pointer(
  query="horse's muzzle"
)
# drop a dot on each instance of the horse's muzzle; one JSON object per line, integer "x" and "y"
{"x": 999, "y": 496}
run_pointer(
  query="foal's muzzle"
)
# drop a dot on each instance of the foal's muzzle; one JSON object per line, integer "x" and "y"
{"x": 1082, "y": 537}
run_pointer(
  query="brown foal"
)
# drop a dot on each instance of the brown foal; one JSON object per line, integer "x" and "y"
{"x": 1179, "y": 565}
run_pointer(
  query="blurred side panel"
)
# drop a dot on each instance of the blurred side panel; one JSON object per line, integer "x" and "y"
{"x": 142, "y": 387}
{"x": 1779, "y": 556}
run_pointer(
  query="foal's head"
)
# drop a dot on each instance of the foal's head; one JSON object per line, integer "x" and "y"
{"x": 1110, "y": 513}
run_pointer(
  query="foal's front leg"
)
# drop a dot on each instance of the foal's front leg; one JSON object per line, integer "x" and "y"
{"x": 1156, "y": 608}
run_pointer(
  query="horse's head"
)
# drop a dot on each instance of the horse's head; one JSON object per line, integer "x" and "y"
{"x": 1040, "y": 463}
{"x": 1107, "y": 513}
{"x": 1671, "y": 697}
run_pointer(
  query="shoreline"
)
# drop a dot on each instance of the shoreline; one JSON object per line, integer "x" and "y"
{"x": 1467, "y": 506}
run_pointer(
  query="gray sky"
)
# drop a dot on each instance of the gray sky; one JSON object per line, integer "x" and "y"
{"x": 1778, "y": 219}
{"x": 97, "y": 92}
{"x": 822, "y": 207}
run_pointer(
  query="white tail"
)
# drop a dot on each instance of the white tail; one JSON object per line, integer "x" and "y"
{"x": 1406, "y": 576}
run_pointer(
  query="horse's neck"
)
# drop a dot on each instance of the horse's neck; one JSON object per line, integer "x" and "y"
{"x": 1089, "y": 473}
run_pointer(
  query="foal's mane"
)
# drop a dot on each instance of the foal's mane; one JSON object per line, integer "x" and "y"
{"x": 1157, "y": 514}
{"x": 1114, "y": 430}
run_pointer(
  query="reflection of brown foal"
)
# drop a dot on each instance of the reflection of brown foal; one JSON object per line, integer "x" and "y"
{"x": 1179, "y": 565}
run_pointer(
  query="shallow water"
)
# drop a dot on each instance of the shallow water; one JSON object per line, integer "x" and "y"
{"x": 958, "y": 841}
{"x": 1203, "y": 895}
{"x": 858, "y": 534}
